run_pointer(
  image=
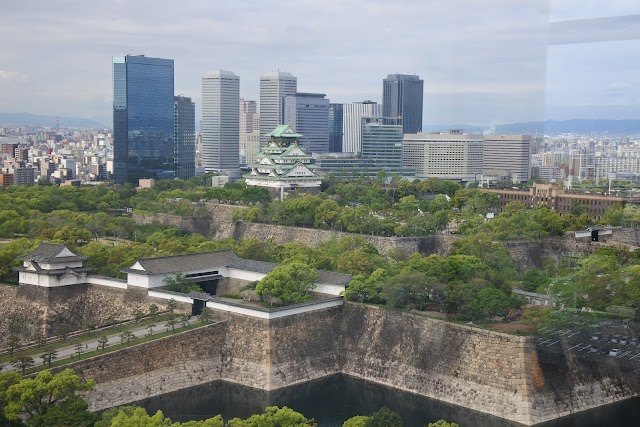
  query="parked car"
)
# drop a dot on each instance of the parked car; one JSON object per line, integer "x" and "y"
{"x": 634, "y": 342}
{"x": 615, "y": 339}
{"x": 597, "y": 336}
{"x": 614, "y": 352}
{"x": 595, "y": 349}
{"x": 624, "y": 340}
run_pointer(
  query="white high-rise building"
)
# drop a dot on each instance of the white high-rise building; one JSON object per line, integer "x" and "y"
{"x": 451, "y": 155}
{"x": 273, "y": 89}
{"x": 353, "y": 113}
{"x": 221, "y": 122}
{"x": 507, "y": 157}
{"x": 248, "y": 110}
{"x": 308, "y": 114}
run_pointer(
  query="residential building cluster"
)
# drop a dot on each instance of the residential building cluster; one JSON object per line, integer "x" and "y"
{"x": 574, "y": 158}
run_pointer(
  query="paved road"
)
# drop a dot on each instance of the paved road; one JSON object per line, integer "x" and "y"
{"x": 91, "y": 343}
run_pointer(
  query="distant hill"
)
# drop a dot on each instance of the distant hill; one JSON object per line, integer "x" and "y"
{"x": 17, "y": 119}
{"x": 580, "y": 126}
{"x": 446, "y": 128}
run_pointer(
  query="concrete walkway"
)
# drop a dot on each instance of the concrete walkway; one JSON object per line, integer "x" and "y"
{"x": 91, "y": 343}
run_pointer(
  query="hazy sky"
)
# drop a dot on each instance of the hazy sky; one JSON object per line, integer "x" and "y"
{"x": 483, "y": 62}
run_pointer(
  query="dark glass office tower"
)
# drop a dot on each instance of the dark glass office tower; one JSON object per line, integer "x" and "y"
{"x": 402, "y": 96}
{"x": 336, "y": 123}
{"x": 142, "y": 118}
{"x": 184, "y": 136}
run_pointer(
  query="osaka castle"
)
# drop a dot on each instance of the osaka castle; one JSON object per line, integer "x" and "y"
{"x": 282, "y": 165}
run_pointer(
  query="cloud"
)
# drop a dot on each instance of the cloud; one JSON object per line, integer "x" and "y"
{"x": 482, "y": 61}
{"x": 13, "y": 76}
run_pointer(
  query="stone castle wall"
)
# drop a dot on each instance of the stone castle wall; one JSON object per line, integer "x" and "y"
{"x": 43, "y": 310}
{"x": 527, "y": 254}
{"x": 492, "y": 372}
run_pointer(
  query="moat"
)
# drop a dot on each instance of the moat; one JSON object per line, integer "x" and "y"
{"x": 334, "y": 399}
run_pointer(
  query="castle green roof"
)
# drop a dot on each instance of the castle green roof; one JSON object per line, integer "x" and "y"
{"x": 284, "y": 131}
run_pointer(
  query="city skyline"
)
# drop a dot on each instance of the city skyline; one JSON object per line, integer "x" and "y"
{"x": 503, "y": 67}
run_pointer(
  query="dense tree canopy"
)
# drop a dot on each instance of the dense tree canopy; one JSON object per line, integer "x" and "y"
{"x": 289, "y": 283}
{"x": 46, "y": 400}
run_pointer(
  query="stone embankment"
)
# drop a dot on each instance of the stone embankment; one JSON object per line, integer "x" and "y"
{"x": 527, "y": 254}
{"x": 29, "y": 310}
{"x": 492, "y": 372}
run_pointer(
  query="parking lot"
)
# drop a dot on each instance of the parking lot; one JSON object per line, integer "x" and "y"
{"x": 602, "y": 342}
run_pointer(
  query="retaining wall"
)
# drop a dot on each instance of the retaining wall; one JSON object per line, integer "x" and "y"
{"x": 492, "y": 372}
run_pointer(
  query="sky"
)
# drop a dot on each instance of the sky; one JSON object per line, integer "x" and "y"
{"x": 483, "y": 62}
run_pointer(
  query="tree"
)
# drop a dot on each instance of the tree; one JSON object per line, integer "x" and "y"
{"x": 442, "y": 423}
{"x": 138, "y": 314}
{"x": 289, "y": 283}
{"x": 179, "y": 283}
{"x": 13, "y": 342}
{"x": 150, "y": 328}
{"x": 153, "y": 312}
{"x": 50, "y": 354}
{"x": 366, "y": 289}
{"x": 274, "y": 417}
{"x": 23, "y": 363}
{"x": 49, "y": 400}
{"x": 103, "y": 341}
{"x": 171, "y": 323}
{"x": 184, "y": 319}
{"x": 385, "y": 417}
{"x": 63, "y": 331}
{"x": 490, "y": 301}
{"x": 172, "y": 305}
{"x": 79, "y": 348}
{"x": 126, "y": 336}
{"x": 206, "y": 316}
{"x": 357, "y": 421}
{"x": 7, "y": 379}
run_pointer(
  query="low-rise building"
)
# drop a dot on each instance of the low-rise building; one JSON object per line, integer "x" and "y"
{"x": 560, "y": 200}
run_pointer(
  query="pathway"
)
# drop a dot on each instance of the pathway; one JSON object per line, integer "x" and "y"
{"x": 92, "y": 344}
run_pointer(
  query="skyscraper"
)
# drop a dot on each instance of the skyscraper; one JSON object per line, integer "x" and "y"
{"x": 142, "y": 118}
{"x": 184, "y": 136}
{"x": 221, "y": 122}
{"x": 308, "y": 113}
{"x": 273, "y": 88}
{"x": 402, "y": 96}
{"x": 382, "y": 143}
{"x": 248, "y": 110}
{"x": 336, "y": 116}
{"x": 352, "y": 119}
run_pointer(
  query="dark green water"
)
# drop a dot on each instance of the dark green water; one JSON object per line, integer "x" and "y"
{"x": 334, "y": 399}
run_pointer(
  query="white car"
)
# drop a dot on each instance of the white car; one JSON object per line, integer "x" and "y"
{"x": 614, "y": 352}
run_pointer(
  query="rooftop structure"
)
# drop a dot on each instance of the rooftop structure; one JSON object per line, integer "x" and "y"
{"x": 54, "y": 265}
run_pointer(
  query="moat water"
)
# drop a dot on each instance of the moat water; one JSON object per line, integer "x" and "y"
{"x": 334, "y": 399}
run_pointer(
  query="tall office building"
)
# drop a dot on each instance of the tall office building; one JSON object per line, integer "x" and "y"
{"x": 382, "y": 143}
{"x": 402, "y": 96}
{"x": 142, "y": 118}
{"x": 273, "y": 89}
{"x": 308, "y": 114}
{"x": 507, "y": 157}
{"x": 336, "y": 116}
{"x": 184, "y": 136}
{"x": 451, "y": 155}
{"x": 353, "y": 113}
{"x": 248, "y": 110}
{"x": 221, "y": 122}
